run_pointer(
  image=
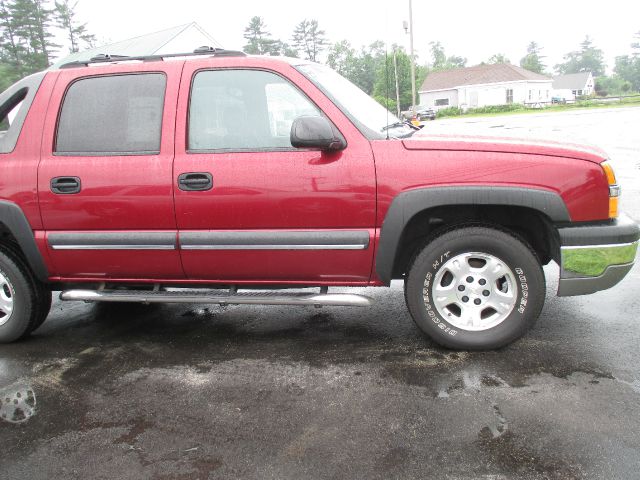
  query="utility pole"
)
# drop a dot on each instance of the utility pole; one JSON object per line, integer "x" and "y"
{"x": 395, "y": 68}
{"x": 413, "y": 61}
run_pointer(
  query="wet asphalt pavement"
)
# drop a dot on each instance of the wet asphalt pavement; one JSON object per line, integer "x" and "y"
{"x": 184, "y": 392}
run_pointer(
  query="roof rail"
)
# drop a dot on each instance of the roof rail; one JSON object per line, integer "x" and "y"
{"x": 102, "y": 57}
{"x": 106, "y": 58}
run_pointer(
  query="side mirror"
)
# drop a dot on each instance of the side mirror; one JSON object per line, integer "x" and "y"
{"x": 316, "y": 132}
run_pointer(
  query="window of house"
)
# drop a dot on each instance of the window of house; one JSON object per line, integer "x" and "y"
{"x": 112, "y": 115}
{"x": 244, "y": 110}
{"x": 510, "y": 95}
{"x": 530, "y": 94}
{"x": 442, "y": 102}
{"x": 579, "y": 92}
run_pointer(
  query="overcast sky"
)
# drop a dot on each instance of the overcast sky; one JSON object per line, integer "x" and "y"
{"x": 473, "y": 29}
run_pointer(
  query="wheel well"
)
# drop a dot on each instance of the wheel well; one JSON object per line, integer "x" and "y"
{"x": 533, "y": 226}
{"x": 6, "y": 236}
{"x": 9, "y": 240}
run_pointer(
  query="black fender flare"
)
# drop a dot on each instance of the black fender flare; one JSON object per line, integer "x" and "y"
{"x": 12, "y": 216}
{"x": 407, "y": 204}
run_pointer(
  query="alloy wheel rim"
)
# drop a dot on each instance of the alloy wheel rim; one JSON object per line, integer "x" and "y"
{"x": 6, "y": 299}
{"x": 474, "y": 291}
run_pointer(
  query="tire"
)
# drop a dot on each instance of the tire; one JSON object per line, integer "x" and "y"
{"x": 43, "y": 309}
{"x": 23, "y": 301}
{"x": 452, "y": 288}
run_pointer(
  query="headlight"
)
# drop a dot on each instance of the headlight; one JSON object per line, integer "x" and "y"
{"x": 614, "y": 189}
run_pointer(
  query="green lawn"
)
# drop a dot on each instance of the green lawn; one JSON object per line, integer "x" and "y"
{"x": 521, "y": 109}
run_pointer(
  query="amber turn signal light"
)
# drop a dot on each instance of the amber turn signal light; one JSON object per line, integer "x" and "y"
{"x": 614, "y": 189}
{"x": 608, "y": 171}
{"x": 613, "y": 207}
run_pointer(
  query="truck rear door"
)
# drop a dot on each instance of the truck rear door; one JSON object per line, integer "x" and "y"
{"x": 105, "y": 176}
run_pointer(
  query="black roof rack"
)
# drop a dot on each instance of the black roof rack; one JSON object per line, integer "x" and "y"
{"x": 106, "y": 58}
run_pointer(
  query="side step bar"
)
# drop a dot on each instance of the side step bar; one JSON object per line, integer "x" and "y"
{"x": 193, "y": 296}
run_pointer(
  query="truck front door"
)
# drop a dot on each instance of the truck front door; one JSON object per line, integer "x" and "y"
{"x": 251, "y": 208}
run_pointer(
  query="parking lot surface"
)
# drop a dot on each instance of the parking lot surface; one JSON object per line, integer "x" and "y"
{"x": 186, "y": 392}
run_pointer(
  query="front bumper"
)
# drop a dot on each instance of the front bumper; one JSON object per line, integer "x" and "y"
{"x": 596, "y": 257}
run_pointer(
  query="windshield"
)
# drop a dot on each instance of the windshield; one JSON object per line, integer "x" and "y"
{"x": 367, "y": 114}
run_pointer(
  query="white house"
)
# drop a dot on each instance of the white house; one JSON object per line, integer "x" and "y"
{"x": 484, "y": 85}
{"x": 572, "y": 85}
{"x": 180, "y": 39}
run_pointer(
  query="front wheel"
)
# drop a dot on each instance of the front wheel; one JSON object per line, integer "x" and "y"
{"x": 475, "y": 288}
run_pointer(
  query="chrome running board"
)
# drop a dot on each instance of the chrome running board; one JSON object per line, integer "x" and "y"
{"x": 230, "y": 298}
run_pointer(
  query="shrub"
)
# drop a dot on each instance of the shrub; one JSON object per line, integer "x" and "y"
{"x": 449, "y": 112}
{"x": 634, "y": 99}
{"x": 509, "y": 107}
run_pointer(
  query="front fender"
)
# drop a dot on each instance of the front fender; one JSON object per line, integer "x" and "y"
{"x": 408, "y": 204}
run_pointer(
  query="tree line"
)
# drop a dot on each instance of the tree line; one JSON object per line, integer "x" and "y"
{"x": 589, "y": 58}
{"x": 373, "y": 67}
{"x": 29, "y": 30}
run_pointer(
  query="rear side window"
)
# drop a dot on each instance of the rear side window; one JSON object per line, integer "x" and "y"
{"x": 112, "y": 115}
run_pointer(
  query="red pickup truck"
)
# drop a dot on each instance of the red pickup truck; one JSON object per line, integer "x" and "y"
{"x": 216, "y": 177}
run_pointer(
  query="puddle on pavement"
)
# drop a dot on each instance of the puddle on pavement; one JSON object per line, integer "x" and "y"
{"x": 469, "y": 383}
{"x": 501, "y": 426}
{"x": 634, "y": 384}
{"x": 17, "y": 403}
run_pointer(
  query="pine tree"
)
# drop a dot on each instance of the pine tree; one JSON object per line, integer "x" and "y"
{"x": 259, "y": 39}
{"x": 27, "y": 35}
{"x": 309, "y": 39}
{"x": 77, "y": 33}
{"x": 588, "y": 59}
{"x": 42, "y": 18}
{"x": 31, "y": 22}
{"x": 11, "y": 49}
{"x": 532, "y": 61}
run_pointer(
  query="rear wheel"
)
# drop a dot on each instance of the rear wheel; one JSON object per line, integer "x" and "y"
{"x": 475, "y": 288}
{"x": 24, "y": 304}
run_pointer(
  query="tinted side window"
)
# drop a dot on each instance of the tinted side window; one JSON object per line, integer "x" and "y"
{"x": 243, "y": 110}
{"x": 112, "y": 115}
